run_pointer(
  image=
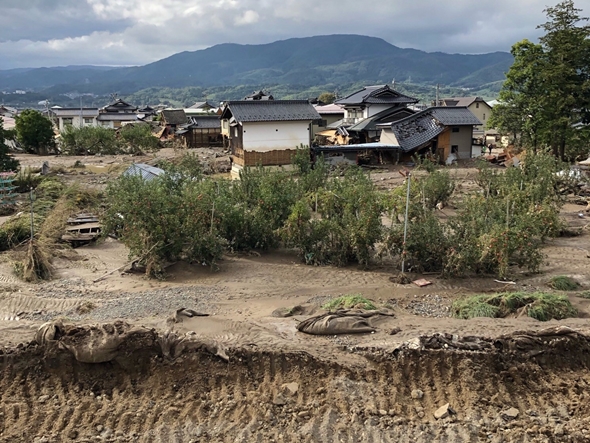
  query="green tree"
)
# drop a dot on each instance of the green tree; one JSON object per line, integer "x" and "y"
{"x": 547, "y": 89}
{"x": 34, "y": 132}
{"x": 88, "y": 140}
{"x": 137, "y": 139}
{"x": 7, "y": 162}
{"x": 327, "y": 97}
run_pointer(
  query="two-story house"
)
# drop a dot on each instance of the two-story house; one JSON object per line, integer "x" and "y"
{"x": 477, "y": 105}
{"x": 371, "y": 106}
{"x": 266, "y": 132}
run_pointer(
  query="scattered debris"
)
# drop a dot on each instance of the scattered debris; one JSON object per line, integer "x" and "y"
{"x": 444, "y": 412}
{"x": 510, "y": 414}
{"x": 82, "y": 229}
{"x": 417, "y": 394}
{"x": 422, "y": 282}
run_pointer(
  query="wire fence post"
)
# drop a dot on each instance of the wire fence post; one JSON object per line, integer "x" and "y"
{"x": 32, "y": 216}
{"x": 409, "y": 176}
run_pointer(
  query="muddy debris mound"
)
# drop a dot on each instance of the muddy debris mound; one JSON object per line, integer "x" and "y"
{"x": 525, "y": 387}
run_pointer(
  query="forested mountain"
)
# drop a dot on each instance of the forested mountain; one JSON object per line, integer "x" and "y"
{"x": 312, "y": 61}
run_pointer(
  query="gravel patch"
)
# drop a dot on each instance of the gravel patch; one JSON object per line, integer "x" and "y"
{"x": 429, "y": 305}
{"x": 111, "y": 305}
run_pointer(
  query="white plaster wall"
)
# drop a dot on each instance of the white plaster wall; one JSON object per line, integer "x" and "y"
{"x": 388, "y": 137}
{"x": 76, "y": 122}
{"x": 268, "y": 136}
{"x": 374, "y": 109}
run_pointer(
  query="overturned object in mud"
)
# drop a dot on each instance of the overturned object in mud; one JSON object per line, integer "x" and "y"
{"x": 183, "y": 313}
{"x": 526, "y": 343}
{"x": 295, "y": 310}
{"x": 173, "y": 345}
{"x": 343, "y": 321}
{"x": 95, "y": 343}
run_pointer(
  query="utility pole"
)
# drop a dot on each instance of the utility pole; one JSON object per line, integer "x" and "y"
{"x": 404, "y": 251}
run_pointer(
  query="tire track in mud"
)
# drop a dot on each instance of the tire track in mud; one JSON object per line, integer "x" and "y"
{"x": 200, "y": 398}
{"x": 11, "y": 305}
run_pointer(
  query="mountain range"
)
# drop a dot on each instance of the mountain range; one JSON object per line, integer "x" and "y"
{"x": 320, "y": 60}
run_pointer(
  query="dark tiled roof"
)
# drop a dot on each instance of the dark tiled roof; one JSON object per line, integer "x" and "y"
{"x": 418, "y": 129}
{"x": 259, "y": 95}
{"x": 205, "y": 122}
{"x": 381, "y": 94}
{"x": 461, "y": 101}
{"x": 388, "y": 116}
{"x": 119, "y": 105}
{"x": 454, "y": 116}
{"x": 174, "y": 116}
{"x": 270, "y": 110}
{"x": 201, "y": 105}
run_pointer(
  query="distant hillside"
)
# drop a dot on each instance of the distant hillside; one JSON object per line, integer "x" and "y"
{"x": 332, "y": 59}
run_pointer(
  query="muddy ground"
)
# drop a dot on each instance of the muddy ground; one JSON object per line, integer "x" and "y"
{"x": 278, "y": 384}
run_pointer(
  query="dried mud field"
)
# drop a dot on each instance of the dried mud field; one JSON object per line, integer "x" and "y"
{"x": 242, "y": 374}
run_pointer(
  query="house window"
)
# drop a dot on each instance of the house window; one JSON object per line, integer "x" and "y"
{"x": 68, "y": 121}
{"x": 455, "y": 129}
{"x": 477, "y": 105}
{"x": 484, "y": 116}
{"x": 88, "y": 121}
{"x": 236, "y": 131}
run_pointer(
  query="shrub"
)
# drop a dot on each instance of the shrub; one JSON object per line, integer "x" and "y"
{"x": 137, "y": 139}
{"x": 162, "y": 223}
{"x": 337, "y": 224}
{"x": 539, "y": 305}
{"x": 563, "y": 283}
{"x": 26, "y": 180}
{"x": 88, "y": 140}
{"x": 349, "y": 301}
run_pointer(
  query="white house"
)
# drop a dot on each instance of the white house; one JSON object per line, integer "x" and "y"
{"x": 76, "y": 117}
{"x": 371, "y": 100}
{"x": 266, "y": 132}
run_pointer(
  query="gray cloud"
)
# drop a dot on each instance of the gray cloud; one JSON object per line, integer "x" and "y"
{"x": 122, "y": 32}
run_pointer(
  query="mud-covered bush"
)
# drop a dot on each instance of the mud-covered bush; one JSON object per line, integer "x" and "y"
{"x": 541, "y": 306}
{"x": 159, "y": 223}
{"x": 88, "y": 140}
{"x": 338, "y": 224}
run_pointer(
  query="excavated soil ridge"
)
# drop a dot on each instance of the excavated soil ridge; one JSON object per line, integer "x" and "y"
{"x": 524, "y": 387}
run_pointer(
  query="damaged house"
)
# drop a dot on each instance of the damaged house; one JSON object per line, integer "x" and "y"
{"x": 266, "y": 132}
{"x": 443, "y": 131}
{"x": 364, "y": 110}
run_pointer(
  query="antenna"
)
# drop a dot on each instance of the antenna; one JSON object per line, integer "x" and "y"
{"x": 437, "y": 102}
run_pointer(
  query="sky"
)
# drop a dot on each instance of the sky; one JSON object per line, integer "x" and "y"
{"x": 36, "y": 33}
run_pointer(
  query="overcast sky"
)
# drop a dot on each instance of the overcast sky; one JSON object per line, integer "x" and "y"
{"x": 36, "y": 33}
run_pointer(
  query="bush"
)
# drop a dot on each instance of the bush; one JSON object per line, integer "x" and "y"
{"x": 337, "y": 224}
{"x": 162, "y": 223}
{"x": 563, "y": 283}
{"x": 539, "y": 305}
{"x": 88, "y": 140}
{"x": 137, "y": 139}
{"x": 356, "y": 301}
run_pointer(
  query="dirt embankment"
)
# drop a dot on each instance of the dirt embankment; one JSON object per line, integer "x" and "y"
{"x": 522, "y": 387}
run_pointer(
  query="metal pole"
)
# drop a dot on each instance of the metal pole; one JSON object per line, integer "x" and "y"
{"x": 32, "y": 229}
{"x": 406, "y": 224}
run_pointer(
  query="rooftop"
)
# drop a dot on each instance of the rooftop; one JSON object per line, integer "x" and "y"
{"x": 174, "y": 116}
{"x": 269, "y": 110}
{"x": 380, "y": 94}
{"x": 418, "y": 129}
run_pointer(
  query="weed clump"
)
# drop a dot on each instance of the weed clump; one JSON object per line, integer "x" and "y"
{"x": 37, "y": 263}
{"x": 541, "y": 306}
{"x": 563, "y": 283}
{"x": 348, "y": 302}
